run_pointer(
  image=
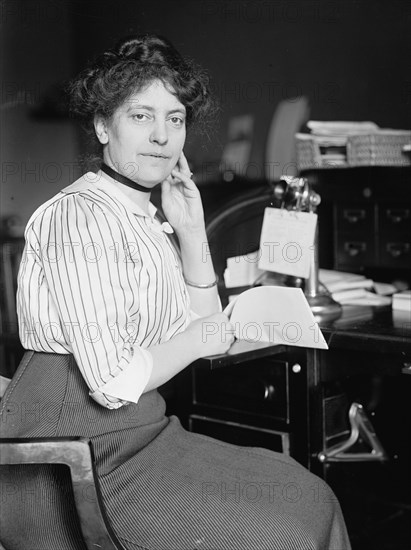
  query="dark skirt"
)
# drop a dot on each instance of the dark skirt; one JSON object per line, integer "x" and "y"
{"x": 164, "y": 488}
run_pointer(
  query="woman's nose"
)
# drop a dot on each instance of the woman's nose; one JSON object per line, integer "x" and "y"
{"x": 159, "y": 133}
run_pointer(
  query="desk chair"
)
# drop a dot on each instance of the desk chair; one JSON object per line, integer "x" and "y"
{"x": 10, "y": 348}
{"x": 71, "y": 460}
{"x": 235, "y": 230}
{"x": 280, "y": 154}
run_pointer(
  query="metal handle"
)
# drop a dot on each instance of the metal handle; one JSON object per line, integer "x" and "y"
{"x": 398, "y": 215}
{"x": 398, "y": 249}
{"x": 406, "y": 369}
{"x": 354, "y": 215}
{"x": 354, "y": 248}
{"x": 269, "y": 391}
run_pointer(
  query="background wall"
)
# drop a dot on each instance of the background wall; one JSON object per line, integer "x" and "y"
{"x": 350, "y": 58}
{"x": 38, "y": 146}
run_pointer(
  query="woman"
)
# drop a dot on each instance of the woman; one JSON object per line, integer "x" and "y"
{"x": 112, "y": 312}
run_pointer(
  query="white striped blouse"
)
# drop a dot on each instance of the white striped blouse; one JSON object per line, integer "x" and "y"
{"x": 100, "y": 279}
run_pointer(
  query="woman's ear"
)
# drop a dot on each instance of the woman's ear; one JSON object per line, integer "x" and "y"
{"x": 100, "y": 127}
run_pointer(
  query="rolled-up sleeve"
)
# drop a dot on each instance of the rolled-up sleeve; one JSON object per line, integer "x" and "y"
{"x": 93, "y": 288}
{"x": 128, "y": 386}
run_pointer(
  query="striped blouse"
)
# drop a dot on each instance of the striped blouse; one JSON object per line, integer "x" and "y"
{"x": 100, "y": 279}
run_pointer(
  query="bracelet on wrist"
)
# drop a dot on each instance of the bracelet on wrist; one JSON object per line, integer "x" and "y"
{"x": 200, "y": 285}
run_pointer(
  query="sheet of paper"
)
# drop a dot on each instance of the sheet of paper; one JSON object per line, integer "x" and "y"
{"x": 287, "y": 241}
{"x": 280, "y": 315}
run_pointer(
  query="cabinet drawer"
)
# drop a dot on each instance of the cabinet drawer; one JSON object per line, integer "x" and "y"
{"x": 356, "y": 252}
{"x": 395, "y": 219}
{"x": 355, "y": 218}
{"x": 395, "y": 253}
{"x": 259, "y": 387}
{"x": 240, "y": 434}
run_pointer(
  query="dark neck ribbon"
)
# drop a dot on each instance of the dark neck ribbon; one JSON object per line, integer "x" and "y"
{"x": 124, "y": 179}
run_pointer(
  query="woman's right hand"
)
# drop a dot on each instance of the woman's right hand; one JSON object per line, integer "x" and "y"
{"x": 211, "y": 335}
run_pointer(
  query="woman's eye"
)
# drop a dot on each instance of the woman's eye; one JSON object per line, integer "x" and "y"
{"x": 177, "y": 121}
{"x": 140, "y": 117}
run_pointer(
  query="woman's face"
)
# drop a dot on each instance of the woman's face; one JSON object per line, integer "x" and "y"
{"x": 144, "y": 138}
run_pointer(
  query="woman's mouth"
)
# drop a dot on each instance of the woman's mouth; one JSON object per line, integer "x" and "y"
{"x": 155, "y": 155}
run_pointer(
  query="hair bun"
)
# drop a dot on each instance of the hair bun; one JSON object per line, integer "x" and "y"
{"x": 129, "y": 47}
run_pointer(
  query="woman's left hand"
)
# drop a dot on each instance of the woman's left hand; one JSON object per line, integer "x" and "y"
{"x": 181, "y": 200}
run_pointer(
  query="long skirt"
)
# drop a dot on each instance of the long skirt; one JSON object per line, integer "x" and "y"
{"x": 163, "y": 488}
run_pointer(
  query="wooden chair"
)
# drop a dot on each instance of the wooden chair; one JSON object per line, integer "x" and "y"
{"x": 11, "y": 350}
{"x": 93, "y": 529}
{"x": 235, "y": 230}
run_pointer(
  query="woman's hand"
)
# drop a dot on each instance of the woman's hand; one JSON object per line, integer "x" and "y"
{"x": 211, "y": 335}
{"x": 181, "y": 200}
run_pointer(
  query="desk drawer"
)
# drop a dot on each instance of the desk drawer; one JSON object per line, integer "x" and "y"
{"x": 240, "y": 434}
{"x": 395, "y": 218}
{"x": 355, "y": 251}
{"x": 395, "y": 252}
{"x": 257, "y": 387}
{"x": 355, "y": 218}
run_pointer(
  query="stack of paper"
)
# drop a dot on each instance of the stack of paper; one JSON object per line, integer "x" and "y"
{"x": 354, "y": 289}
{"x": 340, "y": 129}
{"x": 401, "y": 301}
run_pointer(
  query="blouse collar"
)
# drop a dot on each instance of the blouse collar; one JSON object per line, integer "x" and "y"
{"x": 103, "y": 182}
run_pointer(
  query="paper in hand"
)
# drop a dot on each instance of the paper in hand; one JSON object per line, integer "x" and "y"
{"x": 280, "y": 315}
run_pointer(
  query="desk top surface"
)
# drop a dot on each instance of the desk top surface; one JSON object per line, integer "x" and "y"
{"x": 378, "y": 329}
{"x": 360, "y": 328}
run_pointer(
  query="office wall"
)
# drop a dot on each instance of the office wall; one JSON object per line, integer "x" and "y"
{"x": 38, "y": 145}
{"x": 350, "y": 58}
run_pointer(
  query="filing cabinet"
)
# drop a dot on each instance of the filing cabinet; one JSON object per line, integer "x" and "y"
{"x": 395, "y": 235}
{"x": 372, "y": 235}
{"x": 365, "y": 219}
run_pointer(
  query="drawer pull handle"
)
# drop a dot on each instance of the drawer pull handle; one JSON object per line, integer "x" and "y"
{"x": 354, "y": 249}
{"x": 398, "y": 215}
{"x": 406, "y": 369}
{"x": 269, "y": 391}
{"x": 354, "y": 216}
{"x": 398, "y": 249}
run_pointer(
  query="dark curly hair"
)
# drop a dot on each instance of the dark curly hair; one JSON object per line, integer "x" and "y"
{"x": 127, "y": 68}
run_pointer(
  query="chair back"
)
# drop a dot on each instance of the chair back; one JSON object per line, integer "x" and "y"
{"x": 280, "y": 156}
{"x": 51, "y": 497}
{"x": 11, "y": 250}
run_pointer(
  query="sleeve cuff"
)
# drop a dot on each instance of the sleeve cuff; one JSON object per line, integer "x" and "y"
{"x": 128, "y": 386}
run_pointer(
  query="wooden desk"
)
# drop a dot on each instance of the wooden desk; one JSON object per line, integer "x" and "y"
{"x": 365, "y": 341}
{"x": 297, "y": 401}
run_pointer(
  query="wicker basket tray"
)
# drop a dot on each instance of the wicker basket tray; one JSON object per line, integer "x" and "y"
{"x": 383, "y": 148}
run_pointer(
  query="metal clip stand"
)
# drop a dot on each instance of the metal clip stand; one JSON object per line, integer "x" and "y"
{"x": 297, "y": 191}
{"x": 362, "y": 428}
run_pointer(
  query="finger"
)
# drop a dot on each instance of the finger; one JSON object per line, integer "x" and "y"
{"x": 185, "y": 178}
{"x": 183, "y": 164}
{"x": 230, "y": 327}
